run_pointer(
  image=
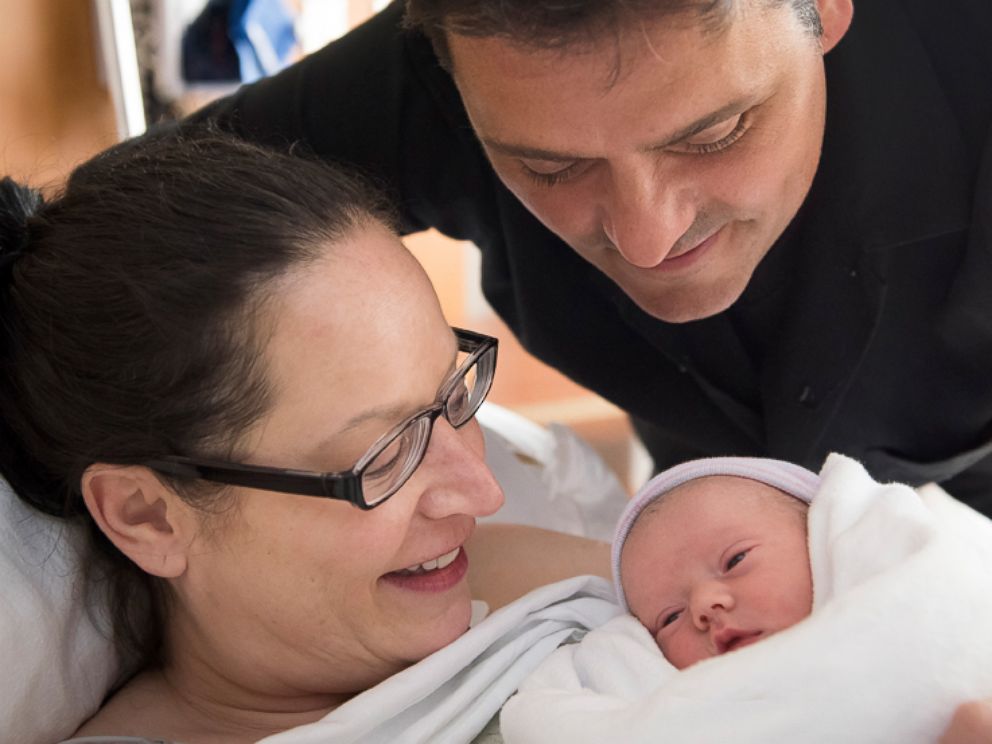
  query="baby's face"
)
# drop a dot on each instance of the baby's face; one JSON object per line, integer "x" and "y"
{"x": 718, "y": 564}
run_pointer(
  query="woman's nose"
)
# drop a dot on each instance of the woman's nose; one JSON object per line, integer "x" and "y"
{"x": 454, "y": 476}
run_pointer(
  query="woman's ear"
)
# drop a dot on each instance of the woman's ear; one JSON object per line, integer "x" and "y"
{"x": 835, "y": 17}
{"x": 140, "y": 515}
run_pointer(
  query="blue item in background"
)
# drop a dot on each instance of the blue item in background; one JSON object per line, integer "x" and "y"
{"x": 238, "y": 41}
{"x": 263, "y": 35}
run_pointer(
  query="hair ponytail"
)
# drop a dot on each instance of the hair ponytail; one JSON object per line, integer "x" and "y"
{"x": 17, "y": 205}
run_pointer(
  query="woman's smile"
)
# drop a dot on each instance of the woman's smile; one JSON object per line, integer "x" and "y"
{"x": 436, "y": 575}
{"x": 442, "y": 561}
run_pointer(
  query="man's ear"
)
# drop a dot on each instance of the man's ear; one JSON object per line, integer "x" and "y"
{"x": 140, "y": 515}
{"x": 835, "y": 17}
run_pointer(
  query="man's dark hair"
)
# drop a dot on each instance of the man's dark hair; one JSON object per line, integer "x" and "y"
{"x": 130, "y": 324}
{"x": 559, "y": 24}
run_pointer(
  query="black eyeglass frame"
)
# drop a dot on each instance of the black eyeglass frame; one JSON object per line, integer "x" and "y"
{"x": 345, "y": 485}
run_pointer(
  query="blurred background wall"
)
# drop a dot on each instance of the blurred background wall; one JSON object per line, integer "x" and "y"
{"x": 56, "y": 109}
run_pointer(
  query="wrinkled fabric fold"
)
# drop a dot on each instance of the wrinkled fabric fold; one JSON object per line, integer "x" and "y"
{"x": 450, "y": 696}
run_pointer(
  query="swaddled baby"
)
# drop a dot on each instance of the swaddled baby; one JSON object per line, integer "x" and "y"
{"x": 713, "y": 555}
{"x": 859, "y": 622}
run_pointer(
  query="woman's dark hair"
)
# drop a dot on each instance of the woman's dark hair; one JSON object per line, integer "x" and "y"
{"x": 560, "y": 24}
{"x": 128, "y": 309}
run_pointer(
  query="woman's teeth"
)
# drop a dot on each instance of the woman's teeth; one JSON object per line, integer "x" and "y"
{"x": 433, "y": 564}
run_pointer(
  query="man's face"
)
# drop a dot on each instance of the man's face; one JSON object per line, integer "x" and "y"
{"x": 676, "y": 177}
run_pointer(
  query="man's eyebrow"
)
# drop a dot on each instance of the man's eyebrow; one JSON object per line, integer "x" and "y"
{"x": 536, "y": 153}
{"x": 701, "y": 125}
{"x": 529, "y": 153}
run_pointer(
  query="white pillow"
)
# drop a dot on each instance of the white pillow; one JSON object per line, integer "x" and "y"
{"x": 57, "y": 665}
{"x": 551, "y": 478}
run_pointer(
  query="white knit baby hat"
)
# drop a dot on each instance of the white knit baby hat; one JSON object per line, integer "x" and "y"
{"x": 785, "y": 476}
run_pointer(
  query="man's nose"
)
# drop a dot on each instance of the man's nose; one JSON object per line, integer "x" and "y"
{"x": 709, "y": 603}
{"x": 454, "y": 475}
{"x": 645, "y": 216}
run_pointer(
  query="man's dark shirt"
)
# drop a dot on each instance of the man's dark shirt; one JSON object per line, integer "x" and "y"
{"x": 866, "y": 330}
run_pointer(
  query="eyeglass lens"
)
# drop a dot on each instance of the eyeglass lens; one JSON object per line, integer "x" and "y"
{"x": 396, "y": 462}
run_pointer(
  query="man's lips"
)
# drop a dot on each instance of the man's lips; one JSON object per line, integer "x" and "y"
{"x": 690, "y": 247}
{"x": 681, "y": 259}
{"x": 731, "y": 639}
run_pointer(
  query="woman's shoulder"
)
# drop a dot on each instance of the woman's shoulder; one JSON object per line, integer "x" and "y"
{"x": 142, "y": 711}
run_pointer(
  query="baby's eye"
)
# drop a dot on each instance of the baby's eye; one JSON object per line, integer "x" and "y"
{"x": 735, "y": 559}
{"x": 671, "y": 618}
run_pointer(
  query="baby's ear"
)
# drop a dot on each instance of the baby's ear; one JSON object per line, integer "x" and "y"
{"x": 145, "y": 519}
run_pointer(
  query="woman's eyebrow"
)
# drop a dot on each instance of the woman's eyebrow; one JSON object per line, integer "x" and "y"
{"x": 390, "y": 412}
{"x": 378, "y": 413}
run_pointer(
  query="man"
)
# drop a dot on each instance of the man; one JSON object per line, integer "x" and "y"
{"x": 645, "y": 182}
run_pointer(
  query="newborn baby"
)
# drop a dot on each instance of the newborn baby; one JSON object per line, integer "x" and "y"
{"x": 714, "y": 556}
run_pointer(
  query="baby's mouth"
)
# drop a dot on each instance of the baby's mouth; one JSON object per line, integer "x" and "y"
{"x": 730, "y": 641}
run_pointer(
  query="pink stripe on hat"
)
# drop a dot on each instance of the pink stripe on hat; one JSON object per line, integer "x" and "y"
{"x": 785, "y": 476}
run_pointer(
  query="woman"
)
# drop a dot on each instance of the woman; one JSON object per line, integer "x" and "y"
{"x": 224, "y": 362}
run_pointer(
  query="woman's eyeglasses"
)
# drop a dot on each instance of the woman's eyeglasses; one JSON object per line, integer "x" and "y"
{"x": 387, "y": 464}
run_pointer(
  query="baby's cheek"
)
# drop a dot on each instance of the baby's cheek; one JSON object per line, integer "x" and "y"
{"x": 684, "y": 649}
{"x": 793, "y": 609}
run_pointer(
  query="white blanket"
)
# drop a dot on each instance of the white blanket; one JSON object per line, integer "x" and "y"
{"x": 900, "y": 634}
{"x": 451, "y": 695}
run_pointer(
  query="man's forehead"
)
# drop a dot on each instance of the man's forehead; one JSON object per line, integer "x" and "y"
{"x": 581, "y": 24}
{"x": 611, "y": 48}
{"x": 568, "y": 103}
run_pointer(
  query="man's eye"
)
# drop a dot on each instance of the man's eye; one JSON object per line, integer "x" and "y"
{"x": 546, "y": 167}
{"x": 548, "y": 173}
{"x": 716, "y": 138}
{"x": 715, "y": 133}
{"x": 735, "y": 559}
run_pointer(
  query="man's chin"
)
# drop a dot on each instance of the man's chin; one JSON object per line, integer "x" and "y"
{"x": 686, "y": 304}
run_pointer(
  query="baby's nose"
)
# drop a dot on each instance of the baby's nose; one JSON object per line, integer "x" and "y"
{"x": 710, "y": 604}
